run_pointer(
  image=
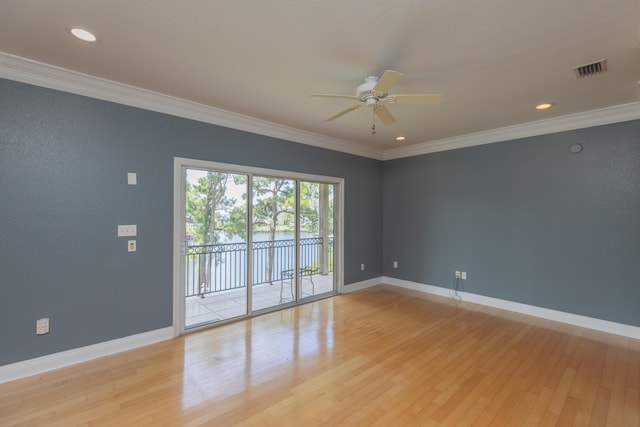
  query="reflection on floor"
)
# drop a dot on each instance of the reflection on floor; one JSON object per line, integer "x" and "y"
{"x": 229, "y": 304}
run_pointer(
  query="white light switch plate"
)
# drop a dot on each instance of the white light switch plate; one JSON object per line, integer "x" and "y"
{"x": 127, "y": 230}
{"x": 132, "y": 178}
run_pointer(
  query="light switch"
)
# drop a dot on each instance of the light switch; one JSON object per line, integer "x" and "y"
{"x": 132, "y": 178}
{"x": 127, "y": 230}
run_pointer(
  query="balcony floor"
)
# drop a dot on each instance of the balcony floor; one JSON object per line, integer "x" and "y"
{"x": 225, "y": 305}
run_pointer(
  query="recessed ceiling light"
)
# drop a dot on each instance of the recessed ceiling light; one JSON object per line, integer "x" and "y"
{"x": 544, "y": 106}
{"x": 400, "y": 138}
{"x": 83, "y": 34}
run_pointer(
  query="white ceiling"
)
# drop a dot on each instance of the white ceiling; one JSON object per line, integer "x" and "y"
{"x": 493, "y": 60}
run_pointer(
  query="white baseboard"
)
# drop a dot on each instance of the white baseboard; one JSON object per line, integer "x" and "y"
{"x": 49, "y": 362}
{"x": 531, "y": 310}
{"x": 352, "y": 287}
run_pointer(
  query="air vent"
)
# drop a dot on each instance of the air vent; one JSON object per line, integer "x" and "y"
{"x": 591, "y": 69}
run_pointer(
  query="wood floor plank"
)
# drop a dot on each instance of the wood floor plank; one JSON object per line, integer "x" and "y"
{"x": 615, "y": 414}
{"x": 632, "y": 390}
{"x": 381, "y": 356}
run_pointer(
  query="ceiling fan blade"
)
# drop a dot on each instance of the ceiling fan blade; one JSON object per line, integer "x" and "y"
{"x": 388, "y": 79}
{"x": 342, "y": 113}
{"x": 330, "y": 95}
{"x": 384, "y": 115}
{"x": 415, "y": 99}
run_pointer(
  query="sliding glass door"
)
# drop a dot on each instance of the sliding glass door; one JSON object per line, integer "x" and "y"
{"x": 214, "y": 246}
{"x": 250, "y": 241}
{"x": 316, "y": 239}
{"x": 273, "y": 231}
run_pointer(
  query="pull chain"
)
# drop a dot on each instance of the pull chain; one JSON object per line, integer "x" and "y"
{"x": 373, "y": 126}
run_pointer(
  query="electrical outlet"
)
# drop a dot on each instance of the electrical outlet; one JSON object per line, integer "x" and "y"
{"x": 362, "y": 267}
{"x": 42, "y": 326}
{"x": 395, "y": 264}
{"x": 463, "y": 275}
{"x": 457, "y": 274}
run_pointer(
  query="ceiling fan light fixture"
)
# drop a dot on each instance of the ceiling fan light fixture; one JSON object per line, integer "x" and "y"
{"x": 544, "y": 106}
{"x": 83, "y": 34}
{"x": 371, "y": 100}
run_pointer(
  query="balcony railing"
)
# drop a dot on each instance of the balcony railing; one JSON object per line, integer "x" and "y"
{"x": 219, "y": 267}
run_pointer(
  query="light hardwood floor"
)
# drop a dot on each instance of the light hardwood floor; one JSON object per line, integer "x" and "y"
{"x": 382, "y": 356}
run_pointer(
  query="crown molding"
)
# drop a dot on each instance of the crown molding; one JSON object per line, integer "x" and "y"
{"x": 25, "y": 70}
{"x": 603, "y": 116}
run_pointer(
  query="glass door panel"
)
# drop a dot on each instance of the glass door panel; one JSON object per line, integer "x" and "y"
{"x": 216, "y": 247}
{"x": 274, "y": 231}
{"x": 316, "y": 239}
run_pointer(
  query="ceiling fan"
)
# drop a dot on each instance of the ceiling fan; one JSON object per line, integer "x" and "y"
{"x": 374, "y": 91}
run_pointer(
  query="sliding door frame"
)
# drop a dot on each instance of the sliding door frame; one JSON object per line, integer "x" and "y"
{"x": 180, "y": 165}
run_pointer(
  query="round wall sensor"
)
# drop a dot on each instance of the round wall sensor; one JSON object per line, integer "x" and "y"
{"x": 575, "y": 148}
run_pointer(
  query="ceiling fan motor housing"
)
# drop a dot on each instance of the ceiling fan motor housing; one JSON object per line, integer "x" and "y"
{"x": 366, "y": 93}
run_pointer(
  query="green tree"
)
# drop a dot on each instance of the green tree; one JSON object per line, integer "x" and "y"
{"x": 316, "y": 218}
{"x": 207, "y": 207}
{"x": 274, "y": 208}
{"x": 273, "y": 204}
{"x": 309, "y": 205}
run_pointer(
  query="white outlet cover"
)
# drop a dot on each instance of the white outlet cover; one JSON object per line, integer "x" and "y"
{"x": 131, "y": 245}
{"x": 132, "y": 178}
{"x": 42, "y": 326}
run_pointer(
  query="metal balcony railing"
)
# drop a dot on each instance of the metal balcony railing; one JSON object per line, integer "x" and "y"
{"x": 219, "y": 267}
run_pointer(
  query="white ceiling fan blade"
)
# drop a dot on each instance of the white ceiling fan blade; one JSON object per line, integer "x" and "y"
{"x": 342, "y": 113}
{"x": 330, "y": 95}
{"x": 384, "y": 115}
{"x": 388, "y": 79}
{"x": 415, "y": 99}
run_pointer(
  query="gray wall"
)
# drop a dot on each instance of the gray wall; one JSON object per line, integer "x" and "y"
{"x": 63, "y": 165}
{"x": 527, "y": 220}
